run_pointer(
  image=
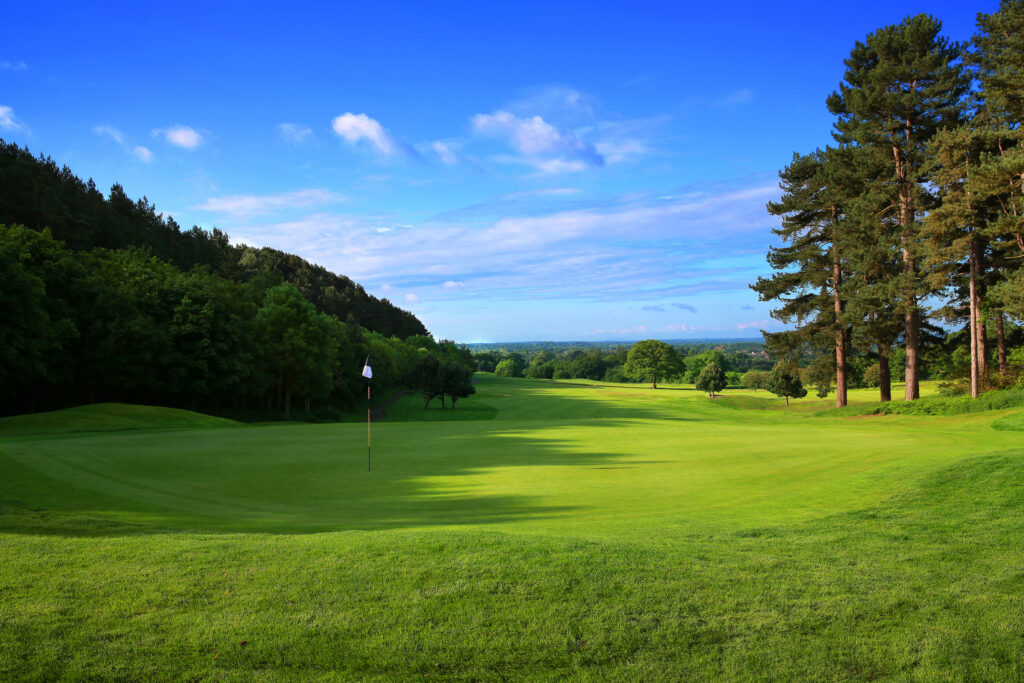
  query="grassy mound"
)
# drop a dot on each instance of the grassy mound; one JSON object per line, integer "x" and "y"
{"x": 107, "y": 417}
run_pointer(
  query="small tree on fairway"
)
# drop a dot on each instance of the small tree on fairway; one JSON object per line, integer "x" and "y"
{"x": 711, "y": 379}
{"x": 456, "y": 381}
{"x": 753, "y": 379}
{"x": 785, "y": 381}
{"x": 425, "y": 378}
{"x": 651, "y": 360}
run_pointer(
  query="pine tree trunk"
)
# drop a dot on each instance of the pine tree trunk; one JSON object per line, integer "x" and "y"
{"x": 972, "y": 293}
{"x": 288, "y": 403}
{"x": 884, "y": 377}
{"x": 979, "y": 330}
{"x": 837, "y": 275}
{"x": 911, "y": 319}
{"x": 1001, "y": 342}
{"x": 982, "y": 352}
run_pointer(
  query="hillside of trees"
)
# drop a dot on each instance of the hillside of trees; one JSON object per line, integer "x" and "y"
{"x": 101, "y": 299}
{"x": 38, "y": 194}
{"x": 912, "y": 221}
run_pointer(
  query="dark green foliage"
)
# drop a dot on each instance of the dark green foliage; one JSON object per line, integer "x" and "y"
{"x": 711, "y": 379}
{"x": 753, "y": 379}
{"x": 651, "y": 360}
{"x": 35, "y": 193}
{"x": 785, "y": 381}
{"x": 108, "y": 312}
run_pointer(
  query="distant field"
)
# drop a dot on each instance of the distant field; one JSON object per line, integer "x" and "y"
{"x": 542, "y": 529}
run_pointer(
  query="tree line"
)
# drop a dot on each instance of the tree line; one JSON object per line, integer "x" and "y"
{"x": 36, "y": 193}
{"x": 673, "y": 363}
{"x": 111, "y": 315}
{"x": 915, "y": 215}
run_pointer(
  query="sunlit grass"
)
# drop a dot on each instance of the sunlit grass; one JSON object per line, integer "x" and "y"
{"x": 542, "y": 529}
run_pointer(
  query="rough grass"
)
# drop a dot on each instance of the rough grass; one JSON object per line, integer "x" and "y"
{"x": 938, "y": 405}
{"x": 581, "y": 532}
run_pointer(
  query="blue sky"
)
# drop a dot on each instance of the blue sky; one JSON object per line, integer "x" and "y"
{"x": 520, "y": 171}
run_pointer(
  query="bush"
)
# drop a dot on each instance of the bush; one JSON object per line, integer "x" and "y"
{"x": 616, "y": 375}
{"x": 947, "y": 405}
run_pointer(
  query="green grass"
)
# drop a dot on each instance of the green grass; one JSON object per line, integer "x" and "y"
{"x": 541, "y": 530}
{"x": 108, "y": 417}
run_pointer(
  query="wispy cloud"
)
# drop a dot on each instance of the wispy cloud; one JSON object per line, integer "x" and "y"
{"x": 185, "y": 137}
{"x": 444, "y": 153}
{"x": 621, "y": 250}
{"x": 294, "y": 132}
{"x": 556, "y": 102}
{"x": 248, "y": 206}
{"x": 143, "y": 154}
{"x": 8, "y": 121}
{"x": 110, "y": 132}
{"x": 653, "y": 309}
{"x": 736, "y": 98}
{"x": 355, "y": 127}
{"x": 13, "y": 66}
{"x": 549, "y": 149}
{"x": 685, "y": 307}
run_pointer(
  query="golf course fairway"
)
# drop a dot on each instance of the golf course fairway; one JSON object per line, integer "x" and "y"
{"x": 542, "y": 530}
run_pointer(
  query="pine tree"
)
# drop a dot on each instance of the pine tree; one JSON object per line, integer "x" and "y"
{"x": 811, "y": 266}
{"x": 902, "y": 85}
{"x": 997, "y": 61}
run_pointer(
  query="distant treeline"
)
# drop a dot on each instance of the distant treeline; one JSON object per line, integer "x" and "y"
{"x": 593, "y": 360}
{"x": 944, "y": 354}
{"x": 916, "y": 213}
{"x": 102, "y": 300}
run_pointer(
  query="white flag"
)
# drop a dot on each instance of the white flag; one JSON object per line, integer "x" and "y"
{"x": 367, "y": 370}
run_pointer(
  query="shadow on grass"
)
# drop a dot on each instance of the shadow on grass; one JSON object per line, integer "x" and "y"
{"x": 290, "y": 479}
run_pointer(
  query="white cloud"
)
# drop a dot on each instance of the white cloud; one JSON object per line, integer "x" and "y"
{"x": 143, "y": 154}
{"x": 547, "y": 147}
{"x": 444, "y": 153}
{"x": 8, "y": 121}
{"x": 247, "y": 205}
{"x": 411, "y": 299}
{"x": 13, "y": 66}
{"x": 355, "y": 127}
{"x": 452, "y": 284}
{"x": 180, "y": 136}
{"x": 294, "y": 132}
{"x": 111, "y": 132}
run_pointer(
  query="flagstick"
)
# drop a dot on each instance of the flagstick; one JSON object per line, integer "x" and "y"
{"x": 367, "y": 427}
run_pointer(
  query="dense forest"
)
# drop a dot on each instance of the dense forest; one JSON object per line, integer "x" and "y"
{"x": 913, "y": 220}
{"x": 102, "y": 299}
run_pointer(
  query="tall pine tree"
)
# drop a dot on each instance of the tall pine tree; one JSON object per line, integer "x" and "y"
{"x": 902, "y": 85}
